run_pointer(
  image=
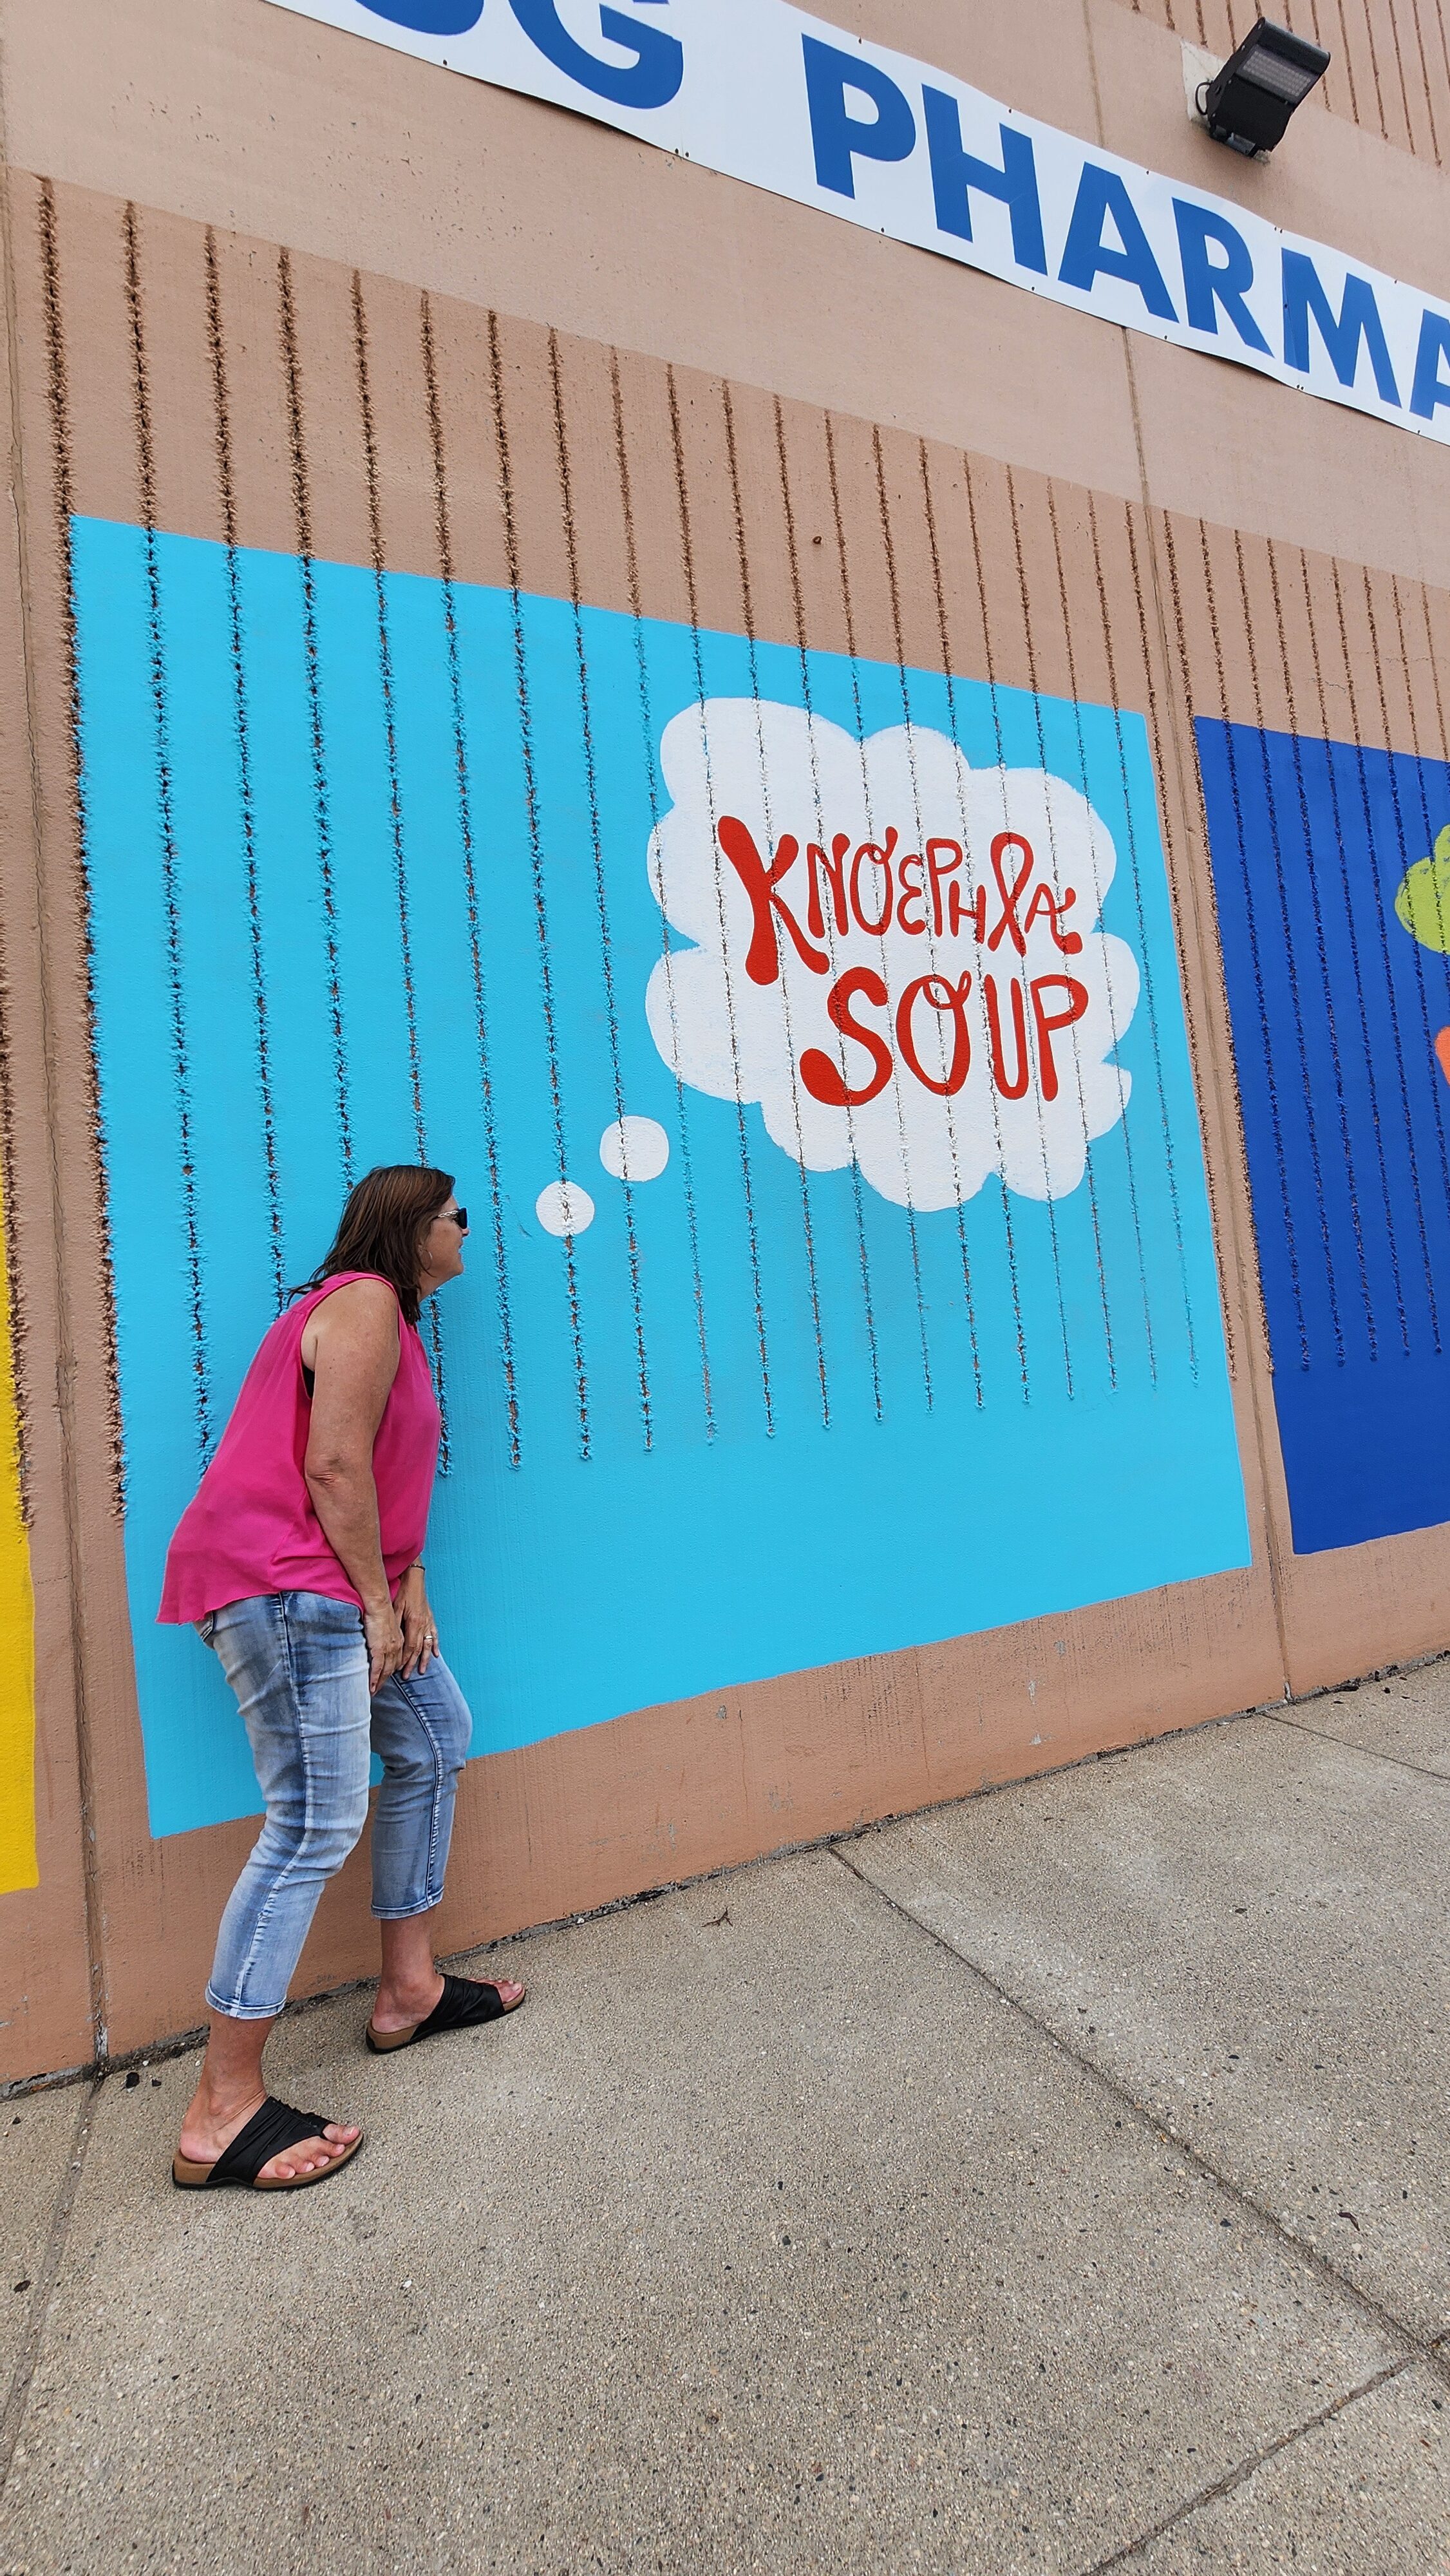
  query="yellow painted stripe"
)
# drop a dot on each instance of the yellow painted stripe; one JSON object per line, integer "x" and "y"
{"x": 17, "y": 1635}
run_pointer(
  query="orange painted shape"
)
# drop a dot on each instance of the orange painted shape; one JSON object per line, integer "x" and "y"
{"x": 1442, "y": 1050}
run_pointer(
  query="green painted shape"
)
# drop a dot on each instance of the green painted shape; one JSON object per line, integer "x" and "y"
{"x": 1423, "y": 901}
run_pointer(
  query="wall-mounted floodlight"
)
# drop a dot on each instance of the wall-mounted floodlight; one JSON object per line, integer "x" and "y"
{"x": 1248, "y": 104}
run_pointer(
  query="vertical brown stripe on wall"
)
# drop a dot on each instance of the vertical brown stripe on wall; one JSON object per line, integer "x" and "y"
{"x": 1384, "y": 926}
{"x": 1286, "y": 933}
{"x": 747, "y": 601}
{"x": 156, "y": 647}
{"x": 468, "y": 847}
{"x": 943, "y": 623}
{"x": 1032, "y": 683}
{"x": 536, "y": 866}
{"x": 1311, "y": 868}
{"x": 1095, "y": 629}
{"x": 989, "y": 650}
{"x": 746, "y": 1176}
{"x": 1381, "y": 78}
{"x": 1438, "y": 63}
{"x": 601, "y": 902}
{"x": 1329, "y": 731}
{"x": 1175, "y": 637}
{"x": 390, "y": 715}
{"x": 1136, "y": 860}
{"x": 1432, "y": 666}
{"x": 58, "y": 394}
{"x": 432, "y": 1326}
{"x": 1345, "y": 55}
{"x": 798, "y": 609}
{"x": 322, "y": 815}
{"x": 839, "y": 516}
{"x": 217, "y": 346}
{"x": 1075, "y": 687}
{"x": 894, "y": 589}
{"x": 1410, "y": 103}
{"x": 1427, "y": 85}
{"x": 646, "y": 711}
{"x": 1271, "y": 1077}
{"x": 1441, "y": 687}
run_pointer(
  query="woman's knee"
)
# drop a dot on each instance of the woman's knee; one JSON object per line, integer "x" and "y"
{"x": 420, "y": 1760}
{"x": 454, "y": 1726}
{"x": 314, "y": 1845}
{"x": 431, "y": 1746}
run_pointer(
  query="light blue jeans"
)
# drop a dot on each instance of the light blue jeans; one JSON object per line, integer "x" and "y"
{"x": 298, "y": 1664}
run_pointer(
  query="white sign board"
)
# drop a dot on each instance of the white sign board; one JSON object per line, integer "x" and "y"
{"x": 764, "y": 93}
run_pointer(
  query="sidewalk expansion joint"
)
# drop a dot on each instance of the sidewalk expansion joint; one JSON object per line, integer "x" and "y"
{"x": 1248, "y": 2468}
{"x": 1371, "y": 1752}
{"x": 1434, "y": 2349}
{"x": 47, "y": 2274}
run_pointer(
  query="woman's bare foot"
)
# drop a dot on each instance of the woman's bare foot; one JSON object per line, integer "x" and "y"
{"x": 210, "y": 2126}
{"x": 410, "y": 1984}
{"x": 230, "y": 2089}
{"x": 400, "y": 2007}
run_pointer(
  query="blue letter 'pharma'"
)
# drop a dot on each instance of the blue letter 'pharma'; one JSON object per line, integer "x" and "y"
{"x": 1358, "y": 319}
{"x": 1431, "y": 386}
{"x": 1209, "y": 282}
{"x": 955, "y": 172}
{"x": 839, "y": 139}
{"x": 1101, "y": 193}
{"x": 651, "y": 80}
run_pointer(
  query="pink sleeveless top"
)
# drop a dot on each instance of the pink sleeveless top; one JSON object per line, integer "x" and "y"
{"x": 251, "y": 1528}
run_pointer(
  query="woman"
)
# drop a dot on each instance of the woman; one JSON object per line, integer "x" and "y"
{"x": 300, "y": 1562}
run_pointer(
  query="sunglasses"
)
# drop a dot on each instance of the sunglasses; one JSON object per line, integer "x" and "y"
{"x": 456, "y": 1216}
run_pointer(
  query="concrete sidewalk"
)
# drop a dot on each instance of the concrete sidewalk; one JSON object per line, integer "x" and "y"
{"x": 1058, "y": 2181}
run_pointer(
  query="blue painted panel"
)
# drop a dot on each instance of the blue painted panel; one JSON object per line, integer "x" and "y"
{"x": 857, "y": 1424}
{"x": 1336, "y": 1007}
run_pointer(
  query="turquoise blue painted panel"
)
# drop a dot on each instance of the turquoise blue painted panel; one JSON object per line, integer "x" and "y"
{"x": 760, "y": 1414}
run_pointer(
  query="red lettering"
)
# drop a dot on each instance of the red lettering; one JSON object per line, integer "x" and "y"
{"x": 1043, "y": 900}
{"x": 879, "y": 856}
{"x": 833, "y": 869}
{"x": 945, "y": 999}
{"x": 762, "y": 963}
{"x": 975, "y": 912}
{"x": 823, "y": 1079}
{"x": 911, "y": 894}
{"x": 1048, "y": 1021}
{"x": 1011, "y": 895}
{"x": 936, "y": 869}
{"x": 1014, "y": 1089}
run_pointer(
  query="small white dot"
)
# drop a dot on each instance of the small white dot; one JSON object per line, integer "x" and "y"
{"x": 564, "y": 1209}
{"x": 634, "y": 1149}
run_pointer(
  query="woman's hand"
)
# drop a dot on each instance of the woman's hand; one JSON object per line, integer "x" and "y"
{"x": 386, "y": 1644}
{"x": 420, "y": 1628}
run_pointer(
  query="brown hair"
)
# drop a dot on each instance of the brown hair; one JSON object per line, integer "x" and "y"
{"x": 381, "y": 1228}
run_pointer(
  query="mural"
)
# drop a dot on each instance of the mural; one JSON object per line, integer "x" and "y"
{"x": 805, "y": 1035}
{"x": 17, "y": 1635}
{"x": 1331, "y": 864}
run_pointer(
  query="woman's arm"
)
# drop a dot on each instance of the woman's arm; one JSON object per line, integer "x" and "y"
{"x": 351, "y": 1344}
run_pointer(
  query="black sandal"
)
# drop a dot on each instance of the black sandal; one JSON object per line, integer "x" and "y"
{"x": 268, "y": 2133}
{"x": 463, "y": 2005}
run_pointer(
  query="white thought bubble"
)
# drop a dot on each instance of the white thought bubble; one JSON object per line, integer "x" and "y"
{"x": 564, "y": 1209}
{"x": 896, "y": 955}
